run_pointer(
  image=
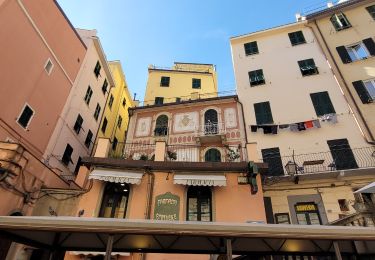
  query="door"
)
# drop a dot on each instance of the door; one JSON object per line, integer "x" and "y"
{"x": 343, "y": 157}
{"x": 307, "y": 214}
{"x": 210, "y": 122}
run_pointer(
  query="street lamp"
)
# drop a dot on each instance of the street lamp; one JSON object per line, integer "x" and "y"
{"x": 291, "y": 168}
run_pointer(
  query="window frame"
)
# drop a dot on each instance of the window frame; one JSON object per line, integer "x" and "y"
{"x": 161, "y": 125}
{"x": 88, "y": 95}
{"x": 103, "y": 128}
{"x": 338, "y": 21}
{"x": 110, "y": 101}
{"x": 294, "y": 36}
{"x": 111, "y": 193}
{"x": 49, "y": 61}
{"x": 97, "y": 69}
{"x": 88, "y": 140}
{"x": 372, "y": 81}
{"x": 310, "y": 69}
{"x": 196, "y": 83}
{"x": 29, "y": 120}
{"x": 160, "y": 99}
{"x": 164, "y": 82}
{"x": 328, "y": 106}
{"x": 66, "y": 162}
{"x": 97, "y": 111}
{"x": 261, "y": 120}
{"x": 192, "y": 193}
{"x": 78, "y": 124}
{"x": 351, "y": 50}
{"x": 208, "y": 155}
{"x": 371, "y": 13}
{"x": 119, "y": 121}
{"x": 251, "y": 50}
{"x": 104, "y": 86}
{"x": 258, "y": 75}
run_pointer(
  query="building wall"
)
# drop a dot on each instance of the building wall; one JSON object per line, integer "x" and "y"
{"x": 120, "y": 92}
{"x": 181, "y": 76}
{"x": 49, "y": 36}
{"x": 289, "y": 92}
{"x": 363, "y": 27}
{"x": 76, "y": 105}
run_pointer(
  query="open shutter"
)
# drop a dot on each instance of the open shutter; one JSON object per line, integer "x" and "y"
{"x": 362, "y": 92}
{"x": 344, "y": 55}
{"x": 263, "y": 113}
{"x": 370, "y": 45}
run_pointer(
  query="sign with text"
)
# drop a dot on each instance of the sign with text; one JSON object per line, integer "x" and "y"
{"x": 167, "y": 207}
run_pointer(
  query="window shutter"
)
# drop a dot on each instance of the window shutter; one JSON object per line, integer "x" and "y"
{"x": 370, "y": 45}
{"x": 344, "y": 55}
{"x": 263, "y": 113}
{"x": 322, "y": 103}
{"x": 362, "y": 92}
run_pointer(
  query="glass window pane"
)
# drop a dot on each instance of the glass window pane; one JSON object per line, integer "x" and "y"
{"x": 301, "y": 218}
{"x": 361, "y": 52}
{"x": 370, "y": 87}
{"x": 314, "y": 219}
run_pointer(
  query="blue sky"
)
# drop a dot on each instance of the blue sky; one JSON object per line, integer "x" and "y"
{"x": 159, "y": 32}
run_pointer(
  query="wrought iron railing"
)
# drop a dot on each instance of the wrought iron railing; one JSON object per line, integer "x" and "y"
{"x": 211, "y": 129}
{"x": 135, "y": 151}
{"x": 197, "y": 153}
{"x": 337, "y": 159}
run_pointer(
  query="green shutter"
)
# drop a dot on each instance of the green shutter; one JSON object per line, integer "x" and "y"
{"x": 322, "y": 103}
{"x": 263, "y": 113}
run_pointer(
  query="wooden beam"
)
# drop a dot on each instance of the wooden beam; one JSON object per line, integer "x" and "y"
{"x": 108, "y": 251}
{"x": 229, "y": 249}
{"x": 337, "y": 250}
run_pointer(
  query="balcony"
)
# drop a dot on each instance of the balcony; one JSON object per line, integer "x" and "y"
{"x": 211, "y": 133}
{"x": 133, "y": 151}
{"x": 330, "y": 161}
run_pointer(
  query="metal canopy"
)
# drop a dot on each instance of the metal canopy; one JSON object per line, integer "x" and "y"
{"x": 367, "y": 189}
{"x": 92, "y": 234}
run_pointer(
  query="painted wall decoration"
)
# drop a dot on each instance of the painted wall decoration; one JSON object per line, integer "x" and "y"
{"x": 185, "y": 122}
{"x": 230, "y": 117}
{"x": 143, "y": 127}
{"x": 167, "y": 207}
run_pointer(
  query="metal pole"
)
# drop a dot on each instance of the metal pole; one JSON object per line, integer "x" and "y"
{"x": 337, "y": 250}
{"x": 229, "y": 249}
{"x": 108, "y": 251}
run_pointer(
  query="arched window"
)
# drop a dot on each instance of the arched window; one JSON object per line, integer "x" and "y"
{"x": 210, "y": 122}
{"x": 161, "y": 127}
{"x": 212, "y": 155}
{"x": 115, "y": 200}
{"x": 199, "y": 204}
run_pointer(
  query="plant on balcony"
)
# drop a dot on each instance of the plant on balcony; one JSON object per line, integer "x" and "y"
{"x": 172, "y": 155}
{"x": 233, "y": 154}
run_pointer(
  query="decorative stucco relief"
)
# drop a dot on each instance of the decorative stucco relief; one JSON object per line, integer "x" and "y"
{"x": 230, "y": 118}
{"x": 185, "y": 122}
{"x": 143, "y": 127}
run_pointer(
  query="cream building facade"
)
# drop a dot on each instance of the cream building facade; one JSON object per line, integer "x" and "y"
{"x": 183, "y": 81}
{"x": 346, "y": 32}
{"x": 78, "y": 124}
{"x": 302, "y": 125}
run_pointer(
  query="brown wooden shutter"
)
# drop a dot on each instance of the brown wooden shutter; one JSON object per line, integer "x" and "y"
{"x": 344, "y": 55}
{"x": 370, "y": 45}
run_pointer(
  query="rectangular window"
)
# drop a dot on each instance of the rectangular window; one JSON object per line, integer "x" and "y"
{"x": 124, "y": 102}
{"x": 322, "y": 103}
{"x": 365, "y": 90}
{"x": 296, "y": 38}
{"x": 251, "y": 48}
{"x": 97, "y": 111}
{"x": 110, "y": 102}
{"x": 340, "y": 22}
{"x": 119, "y": 122}
{"x": 88, "y": 139}
{"x": 342, "y": 155}
{"x": 273, "y": 158}
{"x": 48, "y": 66}
{"x": 357, "y": 51}
{"x": 371, "y": 11}
{"x": 67, "y": 156}
{"x": 78, "y": 165}
{"x": 159, "y": 100}
{"x": 263, "y": 113}
{"x": 78, "y": 124}
{"x": 104, "y": 125}
{"x": 164, "y": 82}
{"x": 97, "y": 69}
{"x": 178, "y": 99}
{"x": 114, "y": 144}
{"x": 308, "y": 67}
{"x": 88, "y": 95}
{"x": 196, "y": 83}
{"x": 282, "y": 218}
{"x": 104, "y": 87}
{"x": 343, "y": 203}
{"x": 25, "y": 117}
{"x": 256, "y": 77}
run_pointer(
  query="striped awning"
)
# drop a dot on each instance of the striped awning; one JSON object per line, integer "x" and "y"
{"x": 200, "y": 179}
{"x": 118, "y": 176}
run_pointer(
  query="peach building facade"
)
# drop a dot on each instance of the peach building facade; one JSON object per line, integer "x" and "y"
{"x": 174, "y": 172}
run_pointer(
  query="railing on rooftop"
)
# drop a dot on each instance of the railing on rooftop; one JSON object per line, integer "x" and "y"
{"x": 192, "y": 96}
{"x": 337, "y": 159}
{"x": 132, "y": 151}
{"x": 185, "y": 67}
{"x": 320, "y": 6}
{"x": 198, "y": 153}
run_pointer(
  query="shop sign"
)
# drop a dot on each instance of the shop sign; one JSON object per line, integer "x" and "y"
{"x": 305, "y": 207}
{"x": 167, "y": 207}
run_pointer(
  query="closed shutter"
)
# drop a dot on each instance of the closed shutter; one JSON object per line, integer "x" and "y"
{"x": 362, "y": 92}
{"x": 322, "y": 103}
{"x": 272, "y": 157}
{"x": 263, "y": 113}
{"x": 269, "y": 210}
{"x": 370, "y": 45}
{"x": 344, "y": 55}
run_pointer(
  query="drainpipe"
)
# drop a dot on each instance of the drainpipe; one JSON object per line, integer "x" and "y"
{"x": 343, "y": 80}
{"x": 243, "y": 116}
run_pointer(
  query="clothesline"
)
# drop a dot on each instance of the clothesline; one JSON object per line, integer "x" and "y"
{"x": 295, "y": 127}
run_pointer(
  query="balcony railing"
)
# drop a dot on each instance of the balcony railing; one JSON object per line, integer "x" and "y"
{"x": 133, "y": 151}
{"x": 197, "y": 153}
{"x": 338, "y": 159}
{"x": 210, "y": 129}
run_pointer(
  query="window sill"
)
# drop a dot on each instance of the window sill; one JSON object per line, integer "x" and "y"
{"x": 257, "y": 84}
{"x": 251, "y": 54}
{"x": 343, "y": 29}
{"x": 361, "y": 60}
{"x": 297, "y": 44}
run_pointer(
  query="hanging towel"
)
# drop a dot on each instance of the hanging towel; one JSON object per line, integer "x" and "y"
{"x": 254, "y": 128}
{"x": 332, "y": 118}
{"x": 309, "y": 124}
{"x": 293, "y": 127}
{"x": 284, "y": 126}
{"x": 274, "y": 129}
{"x": 316, "y": 123}
{"x": 301, "y": 126}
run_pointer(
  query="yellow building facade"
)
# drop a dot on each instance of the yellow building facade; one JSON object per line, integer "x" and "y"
{"x": 115, "y": 118}
{"x": 346, "y": 33}
{"x": 183, "y": 81}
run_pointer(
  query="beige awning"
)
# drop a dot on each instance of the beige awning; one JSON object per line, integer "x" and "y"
{"x": 200, "y": 179}
{"x": 118, "y": 176}
{"x": 97, "y": 253}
